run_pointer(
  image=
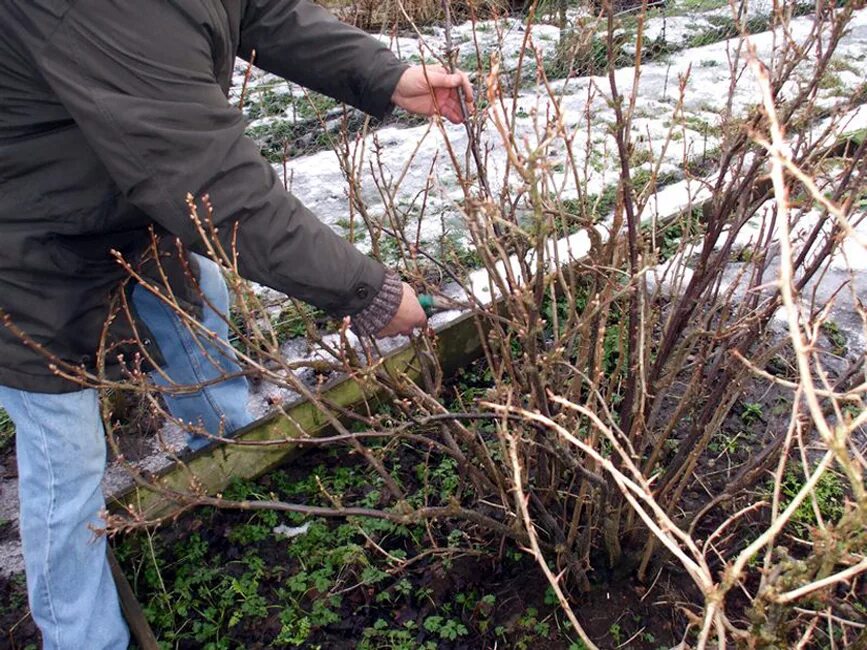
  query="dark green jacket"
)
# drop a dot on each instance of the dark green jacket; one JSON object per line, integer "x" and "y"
{"x": 112, "y": 111}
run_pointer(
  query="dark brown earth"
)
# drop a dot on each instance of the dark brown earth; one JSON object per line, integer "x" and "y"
{"x": 612, "y": 612}
{"x": 618, "y": 611}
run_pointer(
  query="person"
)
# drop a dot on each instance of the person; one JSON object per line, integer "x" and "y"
{"x": 111, "y": 113}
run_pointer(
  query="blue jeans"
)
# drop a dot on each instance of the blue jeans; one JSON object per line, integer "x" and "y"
{"x": 60, "y": 446}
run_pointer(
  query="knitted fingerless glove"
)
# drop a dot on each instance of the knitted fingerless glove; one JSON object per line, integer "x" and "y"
{"x": 379, "y": 313}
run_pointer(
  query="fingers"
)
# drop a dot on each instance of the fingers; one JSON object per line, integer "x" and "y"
{"x": 468, "y": 87}
{"x": 452, "y": 112}
{"x": 449, "y": 80}
{"x": 451, "y": 109}
{"x": 458, "y": 79}
{"x": 426, "y": 90}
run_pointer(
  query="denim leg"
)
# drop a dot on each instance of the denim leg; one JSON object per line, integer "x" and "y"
{"x": 220, "y": 408}
{"x": 60, "y": 447}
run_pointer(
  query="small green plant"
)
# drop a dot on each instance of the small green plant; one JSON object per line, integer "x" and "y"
{"x": 753, "y": 412}
{"x": 682, "y": 231}
{"x": 380, "y": 636}
{"x": 835, "y": 337}
{"x": 531, "y": 622}
{"x": 832, "y": 82}
{"x": 580, "y": 56}
{"x": 17, "y": 595}
{"x": 292, "y": 321}
{"x": 640, "y": 156}
{"x": 469, "y": 62}
{"x": 616, "y": 633}
{"x": 724, "y": 443}
{"x": 447, "y": 628}
{"x": 294, "y": 632}
{"x": 314, "y": 105}
{"x": 700, "y": 125}
{"x": 456, "y": 251}
{"x": 275, "y": 137}
{"x": 829, "y": 495}
{"x": 7, "y": 429}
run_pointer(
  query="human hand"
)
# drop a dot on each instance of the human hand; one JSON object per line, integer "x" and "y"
{"x": 428, "y": 90}
{"x": 409, "y": 315}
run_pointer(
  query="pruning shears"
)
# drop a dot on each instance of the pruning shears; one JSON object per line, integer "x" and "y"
{"x": 432, "y": 304}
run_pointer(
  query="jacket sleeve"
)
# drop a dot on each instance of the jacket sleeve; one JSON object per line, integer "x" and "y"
{"x": 303, "y": 42}
{"x": 138, "y": 79}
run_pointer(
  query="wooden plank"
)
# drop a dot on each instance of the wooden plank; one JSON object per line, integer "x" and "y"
{"x": 132, "y": 611}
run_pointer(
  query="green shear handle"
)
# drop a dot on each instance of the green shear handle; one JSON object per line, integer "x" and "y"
{"x": 433, "y": 304}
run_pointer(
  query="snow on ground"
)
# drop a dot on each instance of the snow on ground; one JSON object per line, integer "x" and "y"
{"x": 406, "y": 152}
{"x": 675, "y": 30}
{"x": 318, "y": 180}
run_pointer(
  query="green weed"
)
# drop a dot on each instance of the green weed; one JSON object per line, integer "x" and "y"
{"x": 724, "y": 443}
{"x": 753, "y": 412}
{"x": 274, "y": 137}
{"x": 314, "y": 106}
{"x": 7, "y": 429}
{"x": 18, "y": 595}
{"x": 381, "y": 636}
{"x": 671, "y": 237}
{"x": 578, "y": 56}
{"x": 616, "y": 633}
{"x": 832, "y": 331}
{"x": 832, "y": 82}
{"x": 268, "y": 102}
{"x": 456, "y": 250}
{"x": 292, "y": 320}
{"x": 829, "y": 495}
{"x": 702, "y": 126}
{"x": 529, "y": 629}
{"x": 447, "y": 628}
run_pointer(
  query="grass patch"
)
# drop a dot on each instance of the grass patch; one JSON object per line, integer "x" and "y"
{"x": 700, "y": 125}
{"x": 294, "y": 127}
{"x": 268, "y": 102}
{"x": 285, "y": 137}
{"x": 578, "y": 56}
{"x": 836, "y": 338}
{"x": 829, "y": 493}
{"x": 684, "y": 229}
{"x": 832, "y": 82}
{"x": 7, "y": 429}
{"x": 293, "y": 318}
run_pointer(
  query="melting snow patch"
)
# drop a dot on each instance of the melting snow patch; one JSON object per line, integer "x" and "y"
{"x": 292, "y": 531}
